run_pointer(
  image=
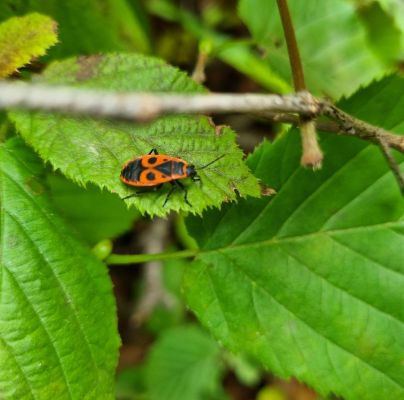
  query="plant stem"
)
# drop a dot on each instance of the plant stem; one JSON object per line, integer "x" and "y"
{"x": 293, "y": 50}
{"x": 120, "y": 259}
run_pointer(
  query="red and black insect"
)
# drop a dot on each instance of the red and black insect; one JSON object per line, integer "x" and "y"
{"x": 153, "y": 170}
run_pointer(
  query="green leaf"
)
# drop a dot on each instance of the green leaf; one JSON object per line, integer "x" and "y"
{"x": 395, "y": 8}
{"x": 331, "y": 39}
{"x": 58, "y": 329}
{"x": 235, "y": 53}
{"x": 94, "y": 213}
{"x": 183, "y": 364}
{"x": 99, "y": 26}
{"x": 384, "y": 37}
{"x": 98, "y": 149}
{"x": 310, "y": 281}
{"x": 22, "y": 38}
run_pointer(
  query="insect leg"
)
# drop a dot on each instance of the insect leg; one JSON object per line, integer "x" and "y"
{"x": 152, "y": 189}
{"x": 184, "y": 189}
{"x": 173, "y": 187}
{"x": 153, "y": 151}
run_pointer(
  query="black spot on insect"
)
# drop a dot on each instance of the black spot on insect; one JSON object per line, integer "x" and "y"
{"x": 150, "y": 176}
{"x": 152, "y": 160}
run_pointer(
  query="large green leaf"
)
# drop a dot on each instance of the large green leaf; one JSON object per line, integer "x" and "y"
{"x": 23, "y": 38}
{"x": 311, "y": 281}
{"x": 331, "y": 40}
{"x": 88, "y": 150}
{"x": 96, "y": 26}
{"x": 58, "y": 329}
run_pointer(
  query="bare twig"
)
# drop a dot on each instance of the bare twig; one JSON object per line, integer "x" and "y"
{"x": 145, "y": 106}
{"x": 131, "y": 106}
{"x": 312, "y": 156}
{"x": 351, "y": 126}
{"x": 392, "y": 164}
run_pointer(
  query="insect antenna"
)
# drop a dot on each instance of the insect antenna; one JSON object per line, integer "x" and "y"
{"x": 207, "y": 165}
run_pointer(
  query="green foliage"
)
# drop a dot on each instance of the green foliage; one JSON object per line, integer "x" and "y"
{"x": 310, "y": 281}
{"x": 22, "y": 38}
{"x": 98, "y": 149}
{"x": 58, "y": 325}
{"x": 130, "y": 384}
{"x": 184, "y": 364}
{"x": 97, "y": 26}
{"x": 395, "y": 8}
{"x": 331, "y": 39}
{"x": 236, "y": 53}
{"x": 94, "y": 213}
{"x": 307, "y": 282}
{"x": 384, "y": 37}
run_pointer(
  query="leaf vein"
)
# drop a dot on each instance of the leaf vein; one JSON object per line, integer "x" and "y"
{"x": 63, "y": 239}
{"x": 43, "y": 325}
{"x": 339, "y": 288}
{"x": 320, "y": 188}
{"x": 19, "y": 367}
{"x": 316, "y": 333}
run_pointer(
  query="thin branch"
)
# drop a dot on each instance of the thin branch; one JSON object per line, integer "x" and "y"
{"x": 351, "y": 126}
{"x": 132, "y": 106}
{"x": 104, "y": 104}
{"x": 392, "y": 164}
{"x": 145, "y": 106}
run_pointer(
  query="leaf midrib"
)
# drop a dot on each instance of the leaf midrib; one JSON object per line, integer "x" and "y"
{"x": 296, "y": 238}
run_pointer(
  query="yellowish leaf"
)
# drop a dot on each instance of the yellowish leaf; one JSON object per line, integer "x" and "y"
{"x": 23, "y": 38}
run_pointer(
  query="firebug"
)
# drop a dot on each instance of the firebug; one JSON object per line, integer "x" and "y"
{"x": 152, "y": 170}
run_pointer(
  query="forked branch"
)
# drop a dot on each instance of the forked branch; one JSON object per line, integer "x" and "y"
{"x": 146, "y": 106}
